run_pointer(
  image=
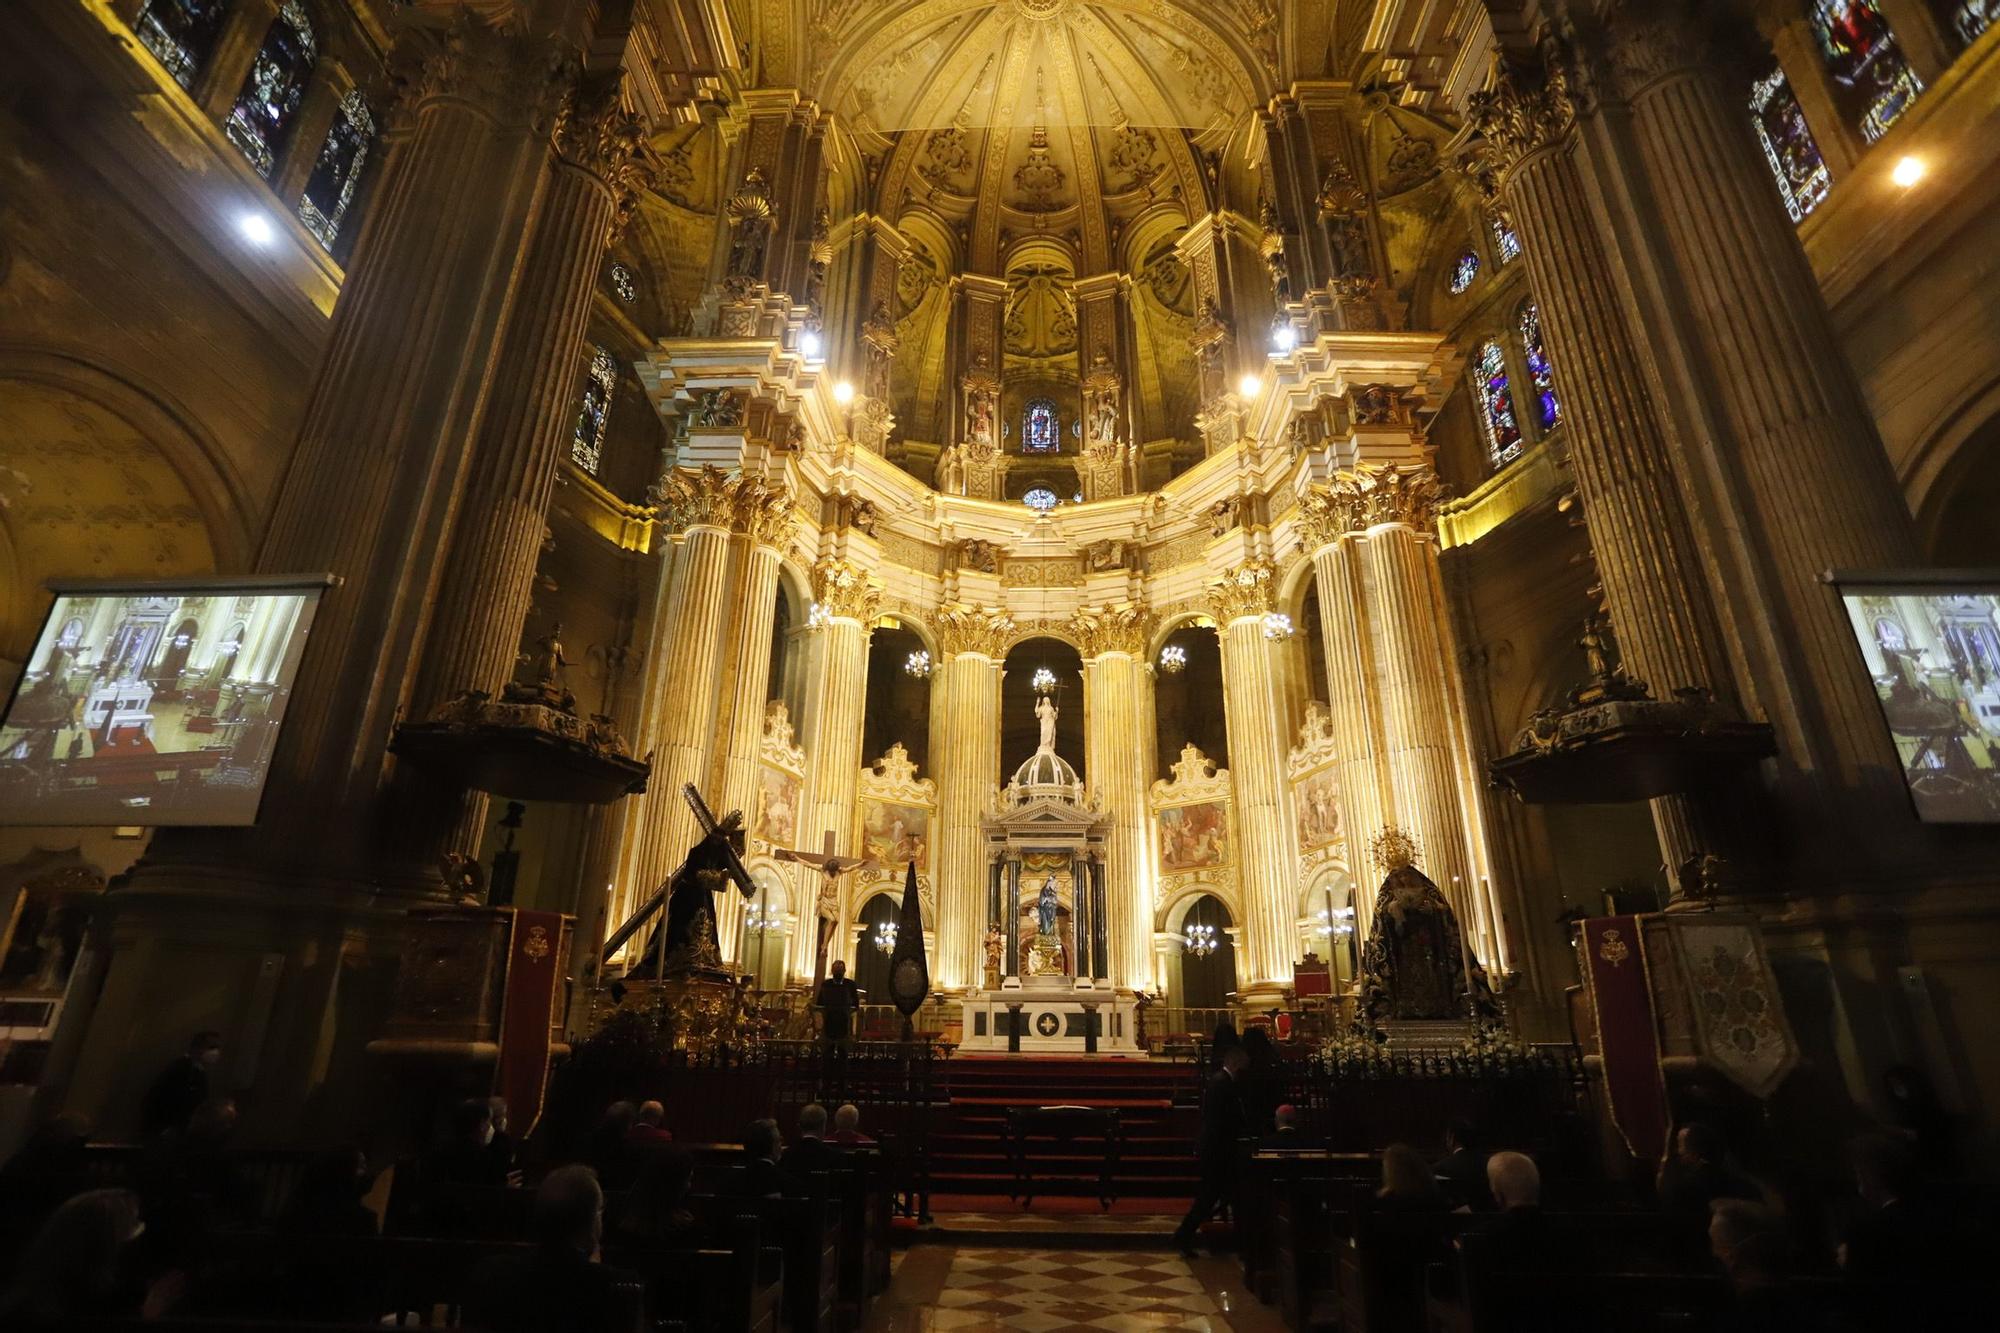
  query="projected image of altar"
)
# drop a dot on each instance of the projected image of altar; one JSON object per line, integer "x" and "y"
{"x": 1045, "y": 986}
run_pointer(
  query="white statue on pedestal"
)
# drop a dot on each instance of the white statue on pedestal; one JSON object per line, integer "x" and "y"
{"x": 1045, "y": 713}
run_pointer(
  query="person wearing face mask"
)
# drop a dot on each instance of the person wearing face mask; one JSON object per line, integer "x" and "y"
{"x": 182, "y": 1087}
{"x": 465, "y": 1159}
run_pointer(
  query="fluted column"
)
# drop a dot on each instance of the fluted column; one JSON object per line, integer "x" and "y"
{"x": 1261, "y": 726}
{"x": 833, "y": 731}
{"x": 1785, "y": 407}
{"x": 965, "y": 755}
{"x": 1117, "y": 747}
{"x": 740, "y": 727}
{"x": 719, "y": 521}
{"x": 1618, "y": 438}
{"x": 488, "y": 574}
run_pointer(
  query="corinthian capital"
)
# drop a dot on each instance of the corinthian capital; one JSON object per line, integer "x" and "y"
{"x": 1248, "y": 591}
{"x": 1526, "y": 111}
{"x": 1112, "y": 629}
{"x": 597, "y": 133}
{"x": 842, "y": 590}
{"x": 974, "y": 629}
{"x": 709, "y": 497}
{"x": 1328, "y": 513}
{"x": 1373, "y": 494}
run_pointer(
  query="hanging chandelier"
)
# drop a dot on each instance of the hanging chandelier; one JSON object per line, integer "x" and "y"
{"x": 1043, "y": 681}
{"x": 1199, "y": 940}
{"x": 1173, "y": 659}
{"x": 918, "y": 664}
{"x": 760, "y": 920}
{"x": 885, "y": 937}
{"x": 1337, "y": 924}
{"x": 1277, "y": 625}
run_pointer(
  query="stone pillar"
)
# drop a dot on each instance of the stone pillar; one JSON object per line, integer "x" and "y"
{"x": 249, "y": 929}
{"x": 965, "y": 755}
{"x": 832, "y": 741}
{"x": 738, "y": 726}
{"x": 1777, "y": 401}
{"x": 488, "y": 574}
{"x": 1619, "y": 442}
{"x": 714, "y": 516}
{"x": 971, "y": 463}
{"x": 1117, "y": 749}
{"x": 1261, "y": 725}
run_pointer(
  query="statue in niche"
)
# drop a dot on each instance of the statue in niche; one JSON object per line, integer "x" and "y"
{"x": 996, "y": 947}
{"x": 1045, "y": 713}
{"x": 1045, "y": 907}
{"x": 1104, "y": 420}
{"x": 750, "y": 212}
{"x": 979, "y": 417}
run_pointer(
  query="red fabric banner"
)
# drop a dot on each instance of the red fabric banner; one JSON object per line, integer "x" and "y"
{"x": 1627, "y": 1036}
{"x": 534, "y": 971}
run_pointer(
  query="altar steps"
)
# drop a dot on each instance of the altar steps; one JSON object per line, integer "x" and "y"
{"x": 1156, "y": 1112}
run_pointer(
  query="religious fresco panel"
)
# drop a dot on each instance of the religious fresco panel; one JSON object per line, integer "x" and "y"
{"x": 894, "y": 833}
{"x": 1194, "y": 837}
{"x": 777, "y": 806}
{"x": 1317, "y": 801}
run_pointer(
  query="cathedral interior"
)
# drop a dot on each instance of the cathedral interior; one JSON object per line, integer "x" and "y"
{"x": 1125, "y": 474}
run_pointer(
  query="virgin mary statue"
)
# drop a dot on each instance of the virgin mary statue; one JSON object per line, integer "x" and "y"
{"x": 1415, "y": 965}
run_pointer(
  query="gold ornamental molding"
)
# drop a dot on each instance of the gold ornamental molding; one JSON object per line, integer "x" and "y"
{"x": 1246, "y": 592}
{"x": 1519, "y": 117}
{"x": 984, "y": 630}
{"x": 1371, "y": 495}
{"x": 841, "y": 590}
{"x": 709, "y": 497}
{"x": 1103, "y": 630}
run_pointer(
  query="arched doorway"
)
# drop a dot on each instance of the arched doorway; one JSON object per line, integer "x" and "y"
{"x": 1329, "y": 925}
{"x": 174, "y": 660}
{"x": 767, "y": 929}
{"x": 1208, "y": 960}
{"x": 874, "y": 928}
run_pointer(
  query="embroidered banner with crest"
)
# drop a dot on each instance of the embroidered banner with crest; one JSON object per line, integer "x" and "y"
{"x": 1739, "y": 1020}
{"x": 535, "y": 963}
{"x": 1627, "y": 1037}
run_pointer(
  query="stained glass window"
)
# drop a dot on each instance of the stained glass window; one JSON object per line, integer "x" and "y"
{"x": 330, "y": 188}
{"x": 1041, "y": 430}
{"x": 261, "y": 120}
{"x": 621, "y": 283}
{"x": 1966, "y": 19}
{"x": 1503, "y": 432}
{"x": 600, "y": 383}
{"x": 1506, "y": 244}
{"x": 1803, "y": 179}
{"x": 1548, "y": 411}
{"x": 1467, "y": 270}
{"x": 1041, "y": 499}
{"x": 182, "y": 33}
{"x": 1871, "y": 80}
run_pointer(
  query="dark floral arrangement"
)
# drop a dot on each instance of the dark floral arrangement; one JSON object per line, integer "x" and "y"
{"x": 1491, "y": 1052}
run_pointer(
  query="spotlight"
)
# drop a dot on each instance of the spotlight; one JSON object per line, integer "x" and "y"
{"x": 1250, "y": 385}
{"x": 1907, "y": 171}
{"x": 257, "y": 228}
{"x": 809, "y": 344}
{"x": 843, "y": 393}
{"x": 1284, "y": 338}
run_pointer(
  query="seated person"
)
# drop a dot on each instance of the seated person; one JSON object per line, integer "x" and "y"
{"x": 1697, "y": 1174}
{"x": 1521, "y": 1239}
{"x": 1284, "y": 1135}
{"x": 609, "y": 1148}
{"x": 847, "y": 1128}
{"x": 812, "y": 1152}
{"x": 82, "y": 1266}
{"x": 648, "y": 1127}
{"x": 658, "y": 1211}
{"x": 1407, "y": 1183}
{"x": 465, "y": 1157}
{"x": 762, "y": 1177}
{"x": 1461, "y": 1172}
{"x": 1748, "y": 1240}
{"x": 560, "y": 1288}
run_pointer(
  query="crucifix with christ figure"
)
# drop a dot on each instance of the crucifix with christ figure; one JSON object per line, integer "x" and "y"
{"x": 827, "y": 908}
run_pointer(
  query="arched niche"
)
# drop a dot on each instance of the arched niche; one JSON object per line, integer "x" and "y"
{"x": 768, "y": 923}
{"x": 1331, "y": 921}
{"x": 871, "y": 961}
{"x": 898, "y": 707}
{"x": 1202, "y": 972}
{"x": 1020, "y": 733}
{"x": 1187, "y": 694}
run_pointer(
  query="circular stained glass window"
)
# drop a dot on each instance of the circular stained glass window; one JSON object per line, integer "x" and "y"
{"x": 1041, "y": 499}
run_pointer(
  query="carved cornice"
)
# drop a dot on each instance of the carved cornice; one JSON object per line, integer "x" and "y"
{"x": 1522, "y": 115}
{"x": 709, "y": 497}
{"x": 1112, "y": 629}
{"x": 842, "y": 590}
{"x": 974, "y": 629}
{"x": 1248, "y": 591}
{"x": 1195, "y": 778}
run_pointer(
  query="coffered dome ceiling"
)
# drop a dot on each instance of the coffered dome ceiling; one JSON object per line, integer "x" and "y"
{"x": 1070, "y": 116}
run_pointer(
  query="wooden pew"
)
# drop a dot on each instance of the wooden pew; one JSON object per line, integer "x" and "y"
{"x": 808, "y": 1231}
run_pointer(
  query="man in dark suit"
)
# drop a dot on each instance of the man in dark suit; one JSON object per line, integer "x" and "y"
{"x": 838, "y": 999}
{"x": 1698, "y": 1173}
{"x": 560, "y": 1288}
{"x": 1222, "y": 1126}
{"x": 1461, "y": 1172}
{"x": 182, "y": 1086}
{"x": 812, "y": 1152}
{"x": 762, "y": 1177}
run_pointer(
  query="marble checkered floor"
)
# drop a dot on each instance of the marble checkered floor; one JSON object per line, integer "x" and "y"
{"x": 939, "y": 1289}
